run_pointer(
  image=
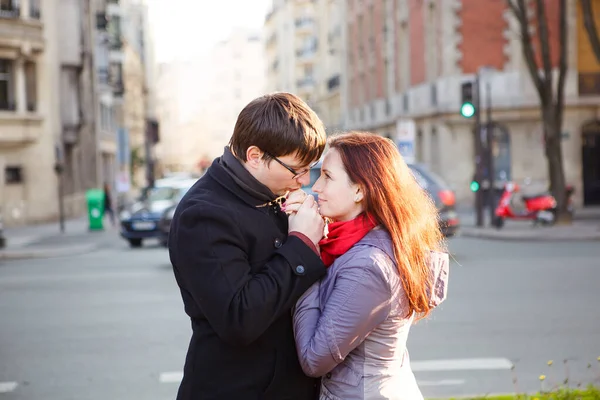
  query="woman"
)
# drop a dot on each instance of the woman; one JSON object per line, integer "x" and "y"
{"x": 386, "y": 270}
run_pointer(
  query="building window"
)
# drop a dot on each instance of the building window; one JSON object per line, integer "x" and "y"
{"x": 31, "y": 85}
{"x": 435, "y": 150}
{"x": 6, "y": 85}
{"x": 13, "y": 175}
{"x": 34, "y": 9}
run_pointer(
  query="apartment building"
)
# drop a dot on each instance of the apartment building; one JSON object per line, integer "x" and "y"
{"x": 198, "y": 100}
{"x": 87, "y": 141}
{"x": 406, "y": 60}
{"x": 305, "y": 43}
{"x": 28, "y": 119}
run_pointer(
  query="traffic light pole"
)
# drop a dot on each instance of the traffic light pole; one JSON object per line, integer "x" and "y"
{"x": 478, "y": 156}
{"x": 490, "y": 153}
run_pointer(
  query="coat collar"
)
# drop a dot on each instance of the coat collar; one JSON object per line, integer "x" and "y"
{"x": 219, "y": 173}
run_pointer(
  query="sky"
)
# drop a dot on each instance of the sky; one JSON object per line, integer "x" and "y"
{"x": 186, "y": 27}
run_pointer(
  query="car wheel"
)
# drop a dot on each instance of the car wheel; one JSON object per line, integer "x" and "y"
{"x": 135, "y": 243}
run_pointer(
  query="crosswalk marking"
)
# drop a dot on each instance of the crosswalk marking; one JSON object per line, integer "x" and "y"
{"x": 465, "y": 364}
{"x": 7, "y": 387}
{"x": 459, "y": 364}
{"x": 442, "y": 382}
{"x": 170, "y": 377}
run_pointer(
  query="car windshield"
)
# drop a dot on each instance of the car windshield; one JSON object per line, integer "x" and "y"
{"x": 161, "y": 194}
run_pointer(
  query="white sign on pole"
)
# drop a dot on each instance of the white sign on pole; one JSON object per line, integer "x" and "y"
{"x": 405, "y": 139}
{"x": 122, "y": 184}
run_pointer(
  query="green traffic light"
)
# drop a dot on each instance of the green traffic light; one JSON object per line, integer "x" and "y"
{"x": 474, "y": 186}
{"x": 467, "y": 110}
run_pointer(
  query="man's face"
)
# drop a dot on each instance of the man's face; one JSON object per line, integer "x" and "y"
{"x": 284, "y": 174}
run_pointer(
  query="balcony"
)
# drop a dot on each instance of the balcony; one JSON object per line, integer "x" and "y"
{"x": 306, "y": 83}
{"x": 103, "y": 76}
{"x": 19, "y": 129}
{"x": 305, "y": 25}
{"x": 17, "y": 32}
{"x": 306, "y": 55}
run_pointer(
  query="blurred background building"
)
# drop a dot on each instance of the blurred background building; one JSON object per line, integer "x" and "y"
{"x": 383, "y": 65}
{"x": 61, "y": 102}
{"x": 84, "y": 99}
{"x": 200, "y": 98}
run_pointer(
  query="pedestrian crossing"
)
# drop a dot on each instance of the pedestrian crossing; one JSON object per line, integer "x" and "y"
{"x": 442, "y": 365}
{"x": 7, "y": 387}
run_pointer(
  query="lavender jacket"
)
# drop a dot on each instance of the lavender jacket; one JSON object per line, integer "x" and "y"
{"x": 351, "y": 327}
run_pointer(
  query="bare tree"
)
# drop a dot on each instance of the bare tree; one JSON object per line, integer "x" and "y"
{"x": 590, "y": 26}
{"x": 551, "y": 96}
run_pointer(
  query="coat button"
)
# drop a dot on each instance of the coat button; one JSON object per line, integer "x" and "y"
{"x": 277, "y": 243}
{"x": 300, "y": 270}
{"x": 328, "y": 376}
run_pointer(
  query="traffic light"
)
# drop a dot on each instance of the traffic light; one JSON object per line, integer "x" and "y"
{"x": 474, "y": 186}
{"x": 467, "y": 105}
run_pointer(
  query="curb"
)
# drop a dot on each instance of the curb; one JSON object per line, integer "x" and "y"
{"x": 23, "y": 254}
{"x": 532, "y": 236}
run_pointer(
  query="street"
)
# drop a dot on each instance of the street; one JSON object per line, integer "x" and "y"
{"x": 110, "y": 324}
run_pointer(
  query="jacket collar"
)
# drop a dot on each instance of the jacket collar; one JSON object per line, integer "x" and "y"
{"x": 228, "y": 171}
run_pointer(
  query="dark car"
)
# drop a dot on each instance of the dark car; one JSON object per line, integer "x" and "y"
{"x": 438, "y": 190}
{"x": 142, "y": 219}
{"x": 442, "y": 195}
{"x": 164, "y": 224}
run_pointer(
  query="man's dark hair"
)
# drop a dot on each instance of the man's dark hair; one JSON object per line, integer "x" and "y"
{"x": 279, "y": 124}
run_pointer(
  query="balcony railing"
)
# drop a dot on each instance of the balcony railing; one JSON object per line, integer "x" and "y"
{"x": 7, "y": 106}
{"x": 305, "y": 82}
{"x": 305, "y": 23}
{"x": 103, "y": 76}
{"x": 10, "y": 10}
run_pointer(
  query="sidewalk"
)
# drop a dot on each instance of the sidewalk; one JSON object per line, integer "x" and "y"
{"x": 46, "y": 240}
{"x": 585, "y": 227}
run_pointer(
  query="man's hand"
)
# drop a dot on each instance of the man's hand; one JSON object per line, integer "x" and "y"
{"x": 307, "y": 220}
{"x": 294, "y": 201}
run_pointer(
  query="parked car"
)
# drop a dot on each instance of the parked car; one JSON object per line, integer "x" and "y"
{"x": 442, "y": 195}
{"x": 141, "y": 220}
{"x": 164, "y": 224}
{"x": 438, "y": 190}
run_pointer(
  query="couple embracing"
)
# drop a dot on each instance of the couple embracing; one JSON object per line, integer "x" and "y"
{"x": 296, "y": 298}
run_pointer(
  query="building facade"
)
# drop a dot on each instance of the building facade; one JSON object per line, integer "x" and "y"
{"x": 198, "y": 100}
{"x": 304, "y": 43}
{"x": 29, "y": 122}
{"x": 406, "y": 61}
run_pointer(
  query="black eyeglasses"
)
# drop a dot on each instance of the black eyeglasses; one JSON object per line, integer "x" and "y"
{"x": 292, "y": 170}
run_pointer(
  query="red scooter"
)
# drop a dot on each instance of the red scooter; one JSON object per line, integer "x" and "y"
{"x": 539, "y": 208}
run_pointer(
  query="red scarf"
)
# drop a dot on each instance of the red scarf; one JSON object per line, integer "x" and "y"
{"x": 343, "y": 235}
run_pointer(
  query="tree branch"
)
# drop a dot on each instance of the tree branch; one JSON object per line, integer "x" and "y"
{"x": 519, "y": 10}
{"x": 562, "y": 66}
{"x": 544, "y": 39}
{"x": 590, "y": 27}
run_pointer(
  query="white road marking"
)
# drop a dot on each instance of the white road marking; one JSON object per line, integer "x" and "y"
{"x": 443, "y": 382}
{"x": 170, "y": 377}
{"x": 7, "y": 387}
{"x": 459, "y": 364}
{"x": 466, "y": 364}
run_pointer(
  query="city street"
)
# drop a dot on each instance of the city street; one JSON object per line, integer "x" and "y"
{"x": 110, "y": 324}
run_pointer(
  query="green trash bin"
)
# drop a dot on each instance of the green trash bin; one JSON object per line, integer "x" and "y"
{"x": 95, "y": 205}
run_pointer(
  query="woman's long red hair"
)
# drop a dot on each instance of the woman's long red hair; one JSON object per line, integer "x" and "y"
{"x": 398, "y": 203}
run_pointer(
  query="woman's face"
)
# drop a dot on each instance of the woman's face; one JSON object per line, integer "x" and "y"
{"x": 339, "y": 199}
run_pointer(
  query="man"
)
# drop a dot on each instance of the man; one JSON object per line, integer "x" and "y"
{"x": 239, "y": 271}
